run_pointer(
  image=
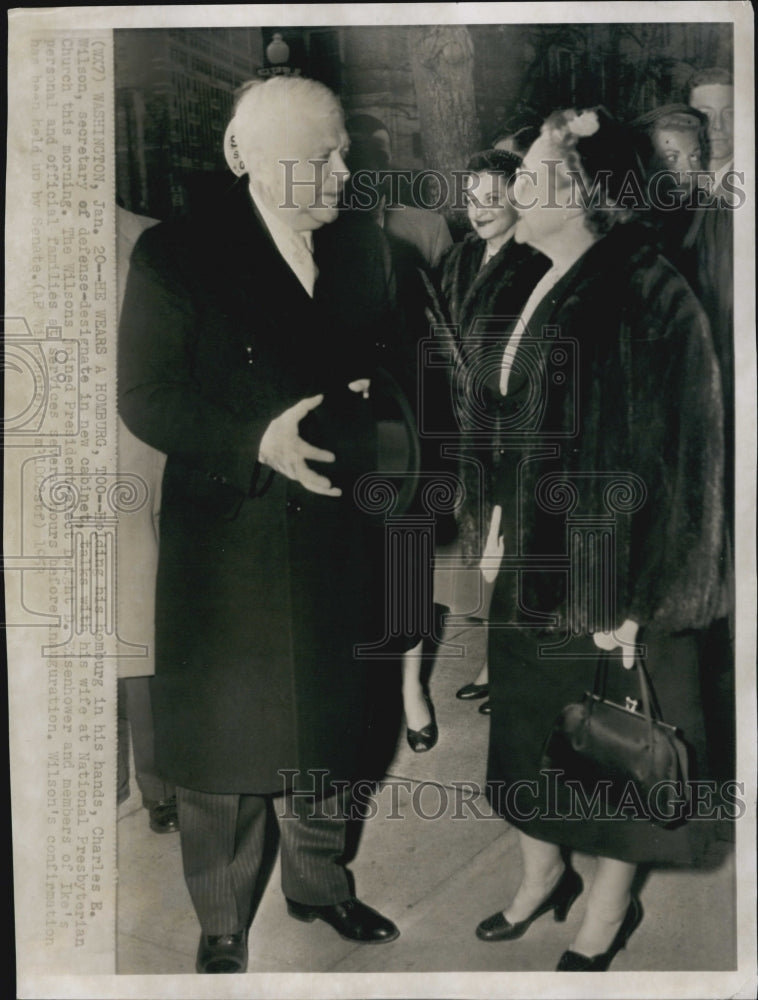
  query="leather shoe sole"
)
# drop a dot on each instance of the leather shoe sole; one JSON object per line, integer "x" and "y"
{"x": 219, "y": 953}
{"x": 353, "y": 920}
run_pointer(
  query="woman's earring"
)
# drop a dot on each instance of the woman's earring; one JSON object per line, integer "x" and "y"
{"x": 241, "y": 164}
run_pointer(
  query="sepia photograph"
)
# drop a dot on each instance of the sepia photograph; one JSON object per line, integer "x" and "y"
{"x": 379, "y": 534}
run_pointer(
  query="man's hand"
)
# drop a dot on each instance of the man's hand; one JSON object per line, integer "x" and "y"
{"x": 626, "y": 637}
{"x": 284, "y": 450}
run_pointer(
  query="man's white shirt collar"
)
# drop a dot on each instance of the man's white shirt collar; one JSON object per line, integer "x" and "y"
{"x": 295, "y": 247}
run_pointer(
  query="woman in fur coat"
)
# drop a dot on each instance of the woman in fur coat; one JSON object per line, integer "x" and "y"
{"x": 608, "y": 531}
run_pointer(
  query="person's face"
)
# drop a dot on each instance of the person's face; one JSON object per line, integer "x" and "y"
{"x": 489, "y": 210}
{"x": 542, "y": 194}
{"x": 306, "y": 193}
{"x": 382, "y": 140}
{"x": 677, "y": 151}
{"x": 716, "y": 100}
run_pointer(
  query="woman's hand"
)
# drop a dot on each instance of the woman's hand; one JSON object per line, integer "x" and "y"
{"x": 625, "y": 636}
{"x": 493, "y": 550}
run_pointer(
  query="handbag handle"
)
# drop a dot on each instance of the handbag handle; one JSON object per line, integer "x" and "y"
{"x": 650, "y": 707}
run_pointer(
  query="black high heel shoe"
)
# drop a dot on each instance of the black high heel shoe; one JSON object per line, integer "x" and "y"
{"x": 560, "y": 900}
{"x": 573, "y": 961}
{"x": 421, "y": 740}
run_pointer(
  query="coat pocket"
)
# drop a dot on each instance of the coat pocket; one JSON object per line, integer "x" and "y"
{"x": 196, "y": 492}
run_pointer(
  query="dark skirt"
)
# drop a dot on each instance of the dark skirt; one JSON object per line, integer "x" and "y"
{"x": 529, "y": 690}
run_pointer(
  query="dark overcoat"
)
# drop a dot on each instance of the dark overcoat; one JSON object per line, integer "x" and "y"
{"x": 482, "y": 303}
{"x": 263, "y": 587}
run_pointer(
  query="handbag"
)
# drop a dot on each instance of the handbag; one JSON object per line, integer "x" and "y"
{"x": 595, "y": 740}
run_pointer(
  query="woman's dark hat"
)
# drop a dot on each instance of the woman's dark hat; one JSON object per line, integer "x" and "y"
{"x": 669, "y": 116}
{"x": 495, "y": 161}
{"x": 606, "y": 149}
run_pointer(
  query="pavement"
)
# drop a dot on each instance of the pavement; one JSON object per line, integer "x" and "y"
{"x": 433, "y": 858}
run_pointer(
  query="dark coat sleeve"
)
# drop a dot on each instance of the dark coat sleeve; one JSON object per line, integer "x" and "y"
{"x": 676, "y": 446}
{"x": 161, "y": 399}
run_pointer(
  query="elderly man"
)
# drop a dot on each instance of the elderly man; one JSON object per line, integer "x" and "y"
{"x": 247, "y": 344}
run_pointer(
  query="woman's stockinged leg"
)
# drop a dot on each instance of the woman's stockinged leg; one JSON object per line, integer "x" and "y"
{"x": 543, "y": 867}
{"x": 607, "y": 903}
{"x": 417, "y": 713}
{"x": 483, "y": 677}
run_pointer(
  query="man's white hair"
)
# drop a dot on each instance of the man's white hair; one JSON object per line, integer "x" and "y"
{"x": 262, "y": 116}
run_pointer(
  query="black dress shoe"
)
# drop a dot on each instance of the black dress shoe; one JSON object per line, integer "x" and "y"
{"x": 497, "y": 928}
{"x": 485, "y": 708}
{"x": 574, "y": 961}
{"x": 352, "y": 920}
{"x": 421, "y": 740}
{"x": 222, "y": 953}
{"x": 163, "y": 815}
{"x": 471, "y": 691}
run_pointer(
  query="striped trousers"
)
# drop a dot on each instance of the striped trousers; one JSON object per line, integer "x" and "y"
{"x": 222, "y": 838}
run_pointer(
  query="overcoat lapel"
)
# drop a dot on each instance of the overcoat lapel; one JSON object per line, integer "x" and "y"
{"x": 271, "y": 311}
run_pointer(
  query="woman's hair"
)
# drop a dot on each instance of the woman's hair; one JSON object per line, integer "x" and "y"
{"x": 494, "y": 161}
{"x": 670, "y": 118}
{"x": 597, "y": 148}
{"x": 262, "y": 109}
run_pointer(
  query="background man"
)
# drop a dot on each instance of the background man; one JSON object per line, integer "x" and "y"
{"x": 137, "y": 566}
{"x": 423, "y": 230}
{"x": 712, "y": 92}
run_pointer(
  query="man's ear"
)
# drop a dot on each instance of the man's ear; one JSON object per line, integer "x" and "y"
{"x": 231, "y": 151}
